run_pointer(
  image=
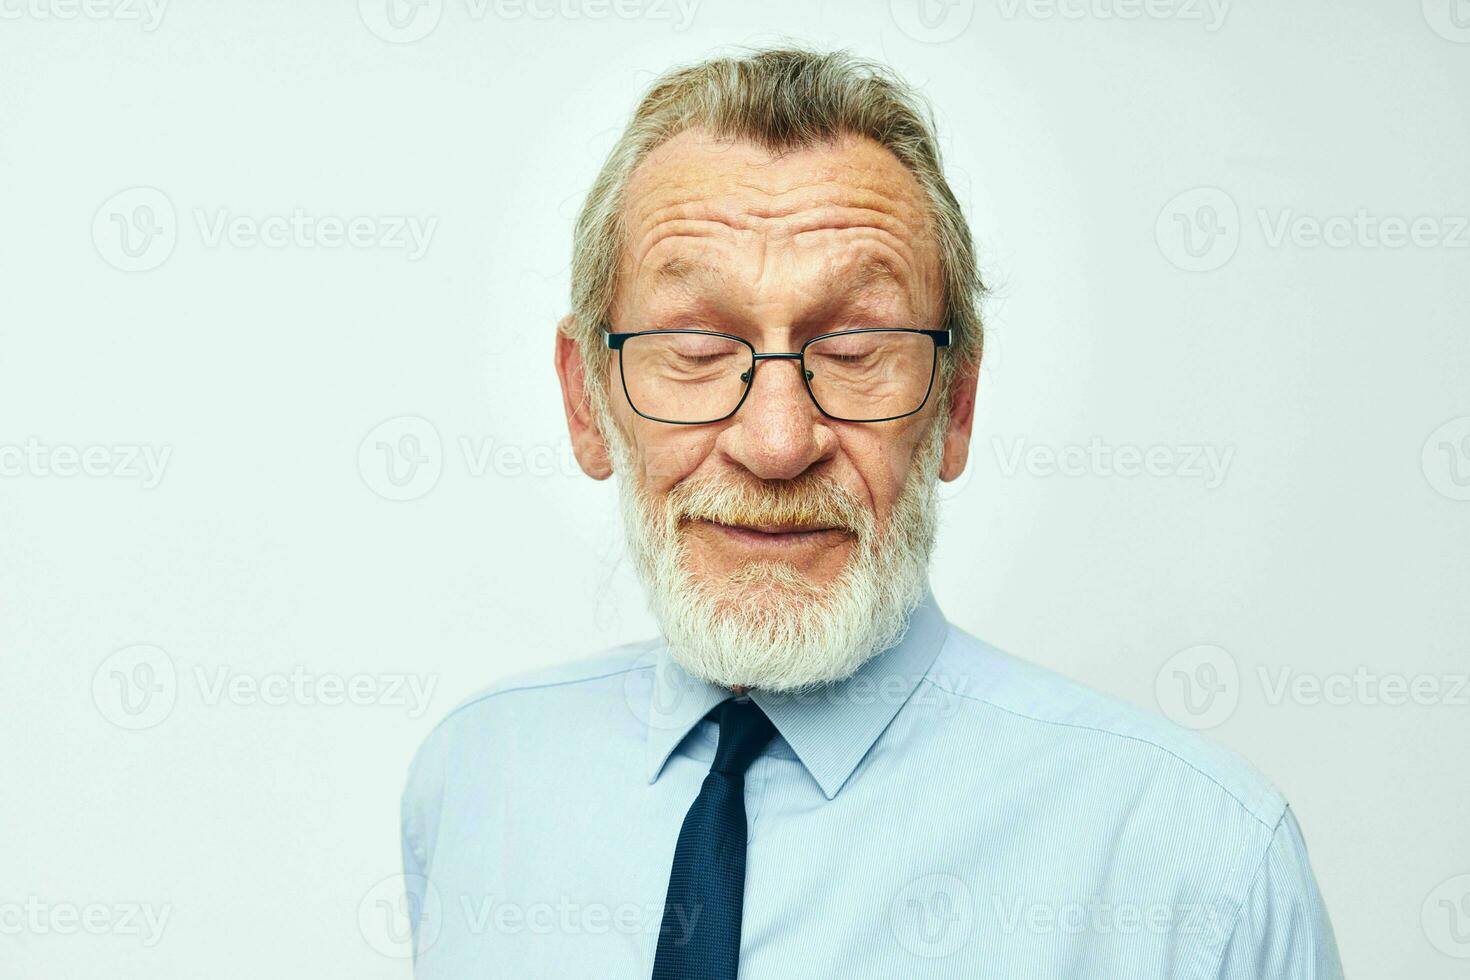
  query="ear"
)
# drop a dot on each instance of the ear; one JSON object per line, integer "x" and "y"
{"x": 587, "y": 441}
{"x": 961, "y": 421}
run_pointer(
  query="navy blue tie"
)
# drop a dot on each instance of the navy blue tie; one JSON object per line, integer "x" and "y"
{"x": 699, "y": 938}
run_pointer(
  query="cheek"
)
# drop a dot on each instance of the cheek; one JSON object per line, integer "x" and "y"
{"x": 667, "y": 454}
{"x": 662, "y": 454}
{"x": 882, "y": 456}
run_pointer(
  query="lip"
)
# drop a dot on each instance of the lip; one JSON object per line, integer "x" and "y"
{"x": 780, "y": 528}
{"x": 776, "y": 536}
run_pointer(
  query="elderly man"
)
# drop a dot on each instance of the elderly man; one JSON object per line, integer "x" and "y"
{"x": 773, "y": 346}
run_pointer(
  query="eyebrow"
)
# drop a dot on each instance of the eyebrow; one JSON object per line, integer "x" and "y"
{"x": 870, "y": 272}
{"x": 679, "y": 270}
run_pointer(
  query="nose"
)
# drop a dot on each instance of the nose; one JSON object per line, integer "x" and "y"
{"x": 778, "y": 433}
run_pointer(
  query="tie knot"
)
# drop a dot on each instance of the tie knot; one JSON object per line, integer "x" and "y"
{"x": 744, "y": 732}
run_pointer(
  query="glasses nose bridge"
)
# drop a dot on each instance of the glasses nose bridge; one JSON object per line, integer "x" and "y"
{"x": 749, "y": 376}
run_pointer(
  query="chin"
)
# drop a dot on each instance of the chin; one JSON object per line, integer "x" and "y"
{"x": 764, "y": 586}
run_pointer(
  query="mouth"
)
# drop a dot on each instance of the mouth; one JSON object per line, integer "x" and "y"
{"x": 775, "y": 537}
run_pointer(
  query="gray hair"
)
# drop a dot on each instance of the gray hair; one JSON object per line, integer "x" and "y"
{"x": 779, "y": 99}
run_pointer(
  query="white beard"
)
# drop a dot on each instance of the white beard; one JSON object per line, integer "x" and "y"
{"x": 765, "y": 626}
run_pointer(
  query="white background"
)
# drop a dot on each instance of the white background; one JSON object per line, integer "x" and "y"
{"x": 1335, "y": 379}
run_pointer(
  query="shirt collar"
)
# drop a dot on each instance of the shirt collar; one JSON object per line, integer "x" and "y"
{"x": 830, "y": 728}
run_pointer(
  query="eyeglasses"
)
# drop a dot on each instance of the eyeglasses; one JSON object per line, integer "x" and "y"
{"x": 695, "y": 377}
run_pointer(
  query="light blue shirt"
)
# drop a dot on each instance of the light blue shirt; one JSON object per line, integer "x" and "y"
{"x": 949, "y": 811}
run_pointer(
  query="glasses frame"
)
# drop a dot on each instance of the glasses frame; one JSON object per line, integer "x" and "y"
{"x": 941, "y": 338}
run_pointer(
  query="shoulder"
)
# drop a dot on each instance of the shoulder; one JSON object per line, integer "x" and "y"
{"x": 1041, "y": 704}
{"x": 596, "y": 691}
{"x": 575, "y": 679}
{"x": 510, "y": 726}
{"x": 589, "y": 679}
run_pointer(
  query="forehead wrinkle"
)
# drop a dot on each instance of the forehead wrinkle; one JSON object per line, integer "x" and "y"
{"x": 754, "y": 207}
{"x": 775, "y": 221}
{"x": 814, "y": 210}
{"x": 865, "y": 226}
{"x": 740, "y": 197}
{"x": 878, "y": 264}
{"x": 861, "y": 274}
{"x": 691, "y": 167}
{"x": 873, "y": 269}
{"x": 676, "y": 268}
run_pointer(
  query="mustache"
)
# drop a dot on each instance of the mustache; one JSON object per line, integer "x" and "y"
{"x": 812, "y": 500}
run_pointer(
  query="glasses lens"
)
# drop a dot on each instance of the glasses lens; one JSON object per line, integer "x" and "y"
{"x": 685, "y": 377}
{"x": 869, "y": 375}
